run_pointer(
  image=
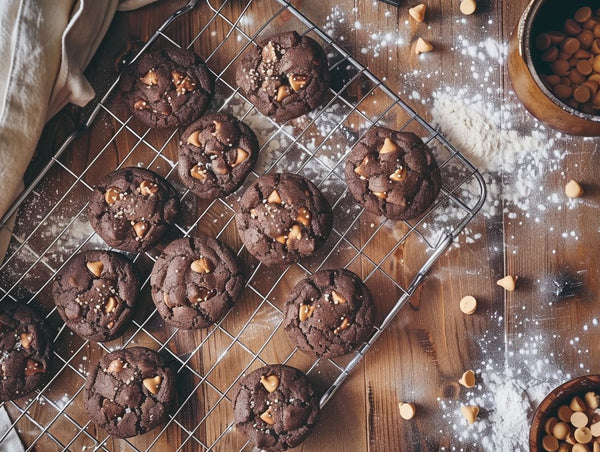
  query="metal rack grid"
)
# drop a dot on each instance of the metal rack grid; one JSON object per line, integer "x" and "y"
{"x": 51, "y": 226}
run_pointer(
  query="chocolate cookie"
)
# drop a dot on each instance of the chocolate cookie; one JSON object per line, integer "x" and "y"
{"x": 282, "y": 218}
{"x": 275, "y": 407}
{"x": 285, "y": 76}
{"x": 95, "y": 294}
{"x": 195, "y": 281}
{"x": 393, "y": 174}
{"x": 216, "y": 153}
{"x": 24, "y": 350}
{"x": 129, "y": 392}
{"x": 132, "y": 208}
{"x": 329, "y": 314}
{"x": 167, "y": 88}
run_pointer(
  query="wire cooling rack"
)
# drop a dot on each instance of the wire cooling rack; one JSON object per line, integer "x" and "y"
{"x": 51, "y": 226}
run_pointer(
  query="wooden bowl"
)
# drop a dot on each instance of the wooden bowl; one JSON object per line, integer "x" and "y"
{"x": 523, "y": 63}
{"x": 561, "y": 395}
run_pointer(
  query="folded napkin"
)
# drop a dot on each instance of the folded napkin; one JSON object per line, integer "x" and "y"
{"x": 46, "y": 45}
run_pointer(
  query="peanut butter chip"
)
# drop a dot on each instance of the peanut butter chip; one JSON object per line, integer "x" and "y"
{"x": 283, "y": 92}
{"x": 418, "y": 12}
{"x": 509, "y": 282}
{"x": 297, "y": 82}
{"x": 398, "y": 175}
{"x": 26, "y": 339}
{"x": 111, "y": 195}
{"x": 148, "y": 188}
{"x": 115, "y": 366}
{"x": 95, "y": 268}
{"x": 407, "y": 410}
{"x": 467, "y": 379}
{"x": 274, "y": 198}
{"x": 166, "y": 299}
{"x": 583, "y": 435}
{"x": 592, "y": 400}
{"x": 111, "y": 305}
{"x": 281, "y": 239}
{"x": 337, "y": 298}
{"x": 468, "y": 305}
{"x": 240, "y": 157}
{"x": 140, "y": 228}
{"x": 549, "y": 425}
{"x": 150, "y": 78}
{"x": 564, "y": 413}
{"x": 294, "y": 234}
{"x": 203, "y": 295}
{"x": 152, "y": 384}
{"x": 577, "y": 404}
{"x": 267, "y": 417}
{"x": 306, "y": 312}
{"x": 468, "y": 7}
{"x": 194, "y": 139}
{"x": 388, "y": 147}
{"x": 271, "y": 383}
{"x": 380, "y": 194}
{"x": 361, "y": 169}
{"x": 595, "y": 429}
{"x": 550, "y": 443}
{"x": 202, "y": 265}
{"x": 303, "y": 216}
{"x": 343, "y": 326}
{"x": 423, "y": 46}
{"x": 33, "y": 367}
{"x": 470, "y": 413}
{"x": 579, "y": 419}
{"x": 573, "y": 189}
{"x": 198, "y": 172}
{"x": 110, "y": 325}
{"x": 561, "y": 430}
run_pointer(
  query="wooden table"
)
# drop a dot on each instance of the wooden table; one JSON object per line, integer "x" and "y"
{"x": 422, "y": 354}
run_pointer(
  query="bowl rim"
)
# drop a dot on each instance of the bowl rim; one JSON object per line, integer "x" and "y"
{"x": 541, "y": 411}
{"x": 525, "y": 41}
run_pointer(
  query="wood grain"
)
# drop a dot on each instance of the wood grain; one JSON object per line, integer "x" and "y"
{"x": 421, "y": 355}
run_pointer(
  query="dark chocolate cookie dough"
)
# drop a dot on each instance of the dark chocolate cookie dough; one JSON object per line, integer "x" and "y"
{"x": 216, "y": 153}
{"x": 282, "y": 218}
{"x": 167, "y": 88}
{"x": 24, "y": 350}
{"x": 132, "y": 208}
{"x": 329, "y": 314}
{"x": 275, "y": 407}
{"x": 129, "y": 392}
{"x": 195, "y": 281}
{"x": 393, "y": 174}
{"x": 285, "y": 76}
{"x": 95, "y": 293}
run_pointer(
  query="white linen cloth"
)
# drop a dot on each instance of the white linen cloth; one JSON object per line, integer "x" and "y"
{"x": 45, "y": 46}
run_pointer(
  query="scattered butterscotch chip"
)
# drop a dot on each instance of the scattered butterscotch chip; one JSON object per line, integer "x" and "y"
{"x": 596, "y": 446}
{"x": 564, "y": 413}
{"x": 470, "y": 413}
{"x": 579, "y": 419}
{"x": 407, "y": 410}
{"x": 26, "y": 339}
{"x": 423, "y": 46}
{"x": 468, "y": 7}
{"x": 509, "y": 282}
{"x": 577, "y": 404}
{"x": 467, "y": 379}
{"x": 418, "y": 12}
{"x": 573, "y": 189}
{"x": 583, "y": 14}
{"x": 550, "y": 443}
{"x": 468, "y": 304}
{"x": 580, "y": 448}
{"x": 115, "y": 366}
